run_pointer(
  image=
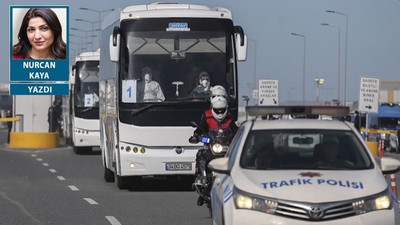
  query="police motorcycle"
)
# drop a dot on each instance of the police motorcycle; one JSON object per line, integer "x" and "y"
{"x": 216, "y": 145}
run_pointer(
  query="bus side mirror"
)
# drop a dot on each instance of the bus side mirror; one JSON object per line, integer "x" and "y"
{"x": 114, "y": 44}
{"x": 72, "y": 75}
{"x": 241, "y": 50}
{"x": 241, "y": 43}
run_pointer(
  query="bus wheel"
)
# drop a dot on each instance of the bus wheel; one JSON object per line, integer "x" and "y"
{"x": 82, "y": 150}
{"x": 68, "y": 141}
{"x": 121, "y": 182}
{"x": 108, "y": 175}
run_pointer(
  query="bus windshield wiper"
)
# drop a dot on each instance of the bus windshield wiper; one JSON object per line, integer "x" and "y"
{"x": 134, "y": 113}
{"x": 195, "y": 97}
{"x": 88, "y": 109}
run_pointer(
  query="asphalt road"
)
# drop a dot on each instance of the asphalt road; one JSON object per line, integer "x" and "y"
{"x": 55, "y": 186}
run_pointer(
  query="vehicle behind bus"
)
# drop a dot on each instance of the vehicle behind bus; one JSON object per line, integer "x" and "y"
{"x": 84, "y": 102}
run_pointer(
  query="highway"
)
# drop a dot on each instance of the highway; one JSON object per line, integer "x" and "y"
{"x": 56, "y": 186}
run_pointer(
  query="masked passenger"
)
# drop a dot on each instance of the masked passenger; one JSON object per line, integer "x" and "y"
{"x": 203, "y": 89}
{"x": 149, "y": 90}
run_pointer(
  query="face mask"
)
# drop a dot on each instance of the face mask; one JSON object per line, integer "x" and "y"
{"x": 204, "y": 83}
{"x": 147, "y": 77}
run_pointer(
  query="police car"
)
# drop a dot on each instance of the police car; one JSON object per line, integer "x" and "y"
{"x": 302, "y": 171}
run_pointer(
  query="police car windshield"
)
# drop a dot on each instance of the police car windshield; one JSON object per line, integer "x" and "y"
{"x": 304, "y": 149}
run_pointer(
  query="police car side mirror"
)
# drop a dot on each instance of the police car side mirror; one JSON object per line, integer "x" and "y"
{"x": 390, "y": 165}
{"x": 219, "y": 165}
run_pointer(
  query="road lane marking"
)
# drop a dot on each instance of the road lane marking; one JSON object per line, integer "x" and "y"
{"x": 33, "y": 155}
{"x": 45, "y": 164}
{"x": 113, "y": 220}
{"x": 53, "y": 170}
{"x": 73, "y": 188}
{"x": 60, "y": 178}
{"x": 39, "y": 159}
{"x": 91, "y": 201}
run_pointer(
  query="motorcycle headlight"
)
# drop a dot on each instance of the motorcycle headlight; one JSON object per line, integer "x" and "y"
{"x": 218, "y": 148}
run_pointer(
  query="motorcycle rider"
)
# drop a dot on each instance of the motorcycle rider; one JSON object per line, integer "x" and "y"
{"x": 216, "y": 119}
{"x": 217, "y": 114}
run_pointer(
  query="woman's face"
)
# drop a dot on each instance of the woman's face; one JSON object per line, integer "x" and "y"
{"x": 39, "y": 34}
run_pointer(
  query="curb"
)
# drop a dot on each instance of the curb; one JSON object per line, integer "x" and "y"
{"x": 7, "y": 147}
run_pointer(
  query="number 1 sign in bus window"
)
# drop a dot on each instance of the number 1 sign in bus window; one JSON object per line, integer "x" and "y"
{"x": 129, "y": 91}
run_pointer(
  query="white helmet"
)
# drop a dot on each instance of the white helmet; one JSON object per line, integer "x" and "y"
{"x": 219, "y": 107}
{"x": 218, "y": 90}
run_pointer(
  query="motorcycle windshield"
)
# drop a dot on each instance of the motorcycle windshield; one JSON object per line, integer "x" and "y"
{"x": 222, "y": 136}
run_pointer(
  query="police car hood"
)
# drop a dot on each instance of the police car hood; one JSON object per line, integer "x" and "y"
{"x": 310, "y": 185}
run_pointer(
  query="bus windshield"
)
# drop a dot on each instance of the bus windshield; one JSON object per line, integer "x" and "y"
{"x": 87, "y": 90}
{"x": 175, "y": 52}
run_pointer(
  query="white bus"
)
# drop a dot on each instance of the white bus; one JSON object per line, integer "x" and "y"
{"x": 81, "y": 125}
{"x": 177, "y": 42}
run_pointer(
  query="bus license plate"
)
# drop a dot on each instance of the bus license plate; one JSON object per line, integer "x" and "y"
{"x": 178, "y": 166}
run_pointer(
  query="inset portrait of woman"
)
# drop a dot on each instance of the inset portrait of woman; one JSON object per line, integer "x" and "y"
{"x": 40, "y": 36}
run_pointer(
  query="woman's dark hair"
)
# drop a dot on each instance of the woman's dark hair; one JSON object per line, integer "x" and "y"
{"x": 58, "y": 48}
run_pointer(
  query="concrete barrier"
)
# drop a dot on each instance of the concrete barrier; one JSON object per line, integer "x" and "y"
{"x": 34, "y": 140}
{"x": 373, "y": 147}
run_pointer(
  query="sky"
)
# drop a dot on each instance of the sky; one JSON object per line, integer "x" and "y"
{"x": 373, "y": 41}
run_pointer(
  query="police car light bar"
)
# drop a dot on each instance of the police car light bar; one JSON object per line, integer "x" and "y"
{"x": 293, "y": 110}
